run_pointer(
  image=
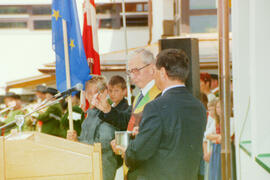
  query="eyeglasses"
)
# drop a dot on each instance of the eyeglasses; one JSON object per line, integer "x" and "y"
{"x": 136, "y": 70}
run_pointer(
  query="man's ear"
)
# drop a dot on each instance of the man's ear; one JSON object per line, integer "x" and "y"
{"x": 125, "y": 91}
{"x": 207, "y": 83}
{"x": 153, "y": 69}
{"x": 163, "y": 74}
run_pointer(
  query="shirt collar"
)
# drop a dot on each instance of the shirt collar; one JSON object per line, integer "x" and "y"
{"x": 114, "y": 105}
{"x": 148, "y": 87}
{"x": 215, "y": 90}
{"x": 170, "y": 87}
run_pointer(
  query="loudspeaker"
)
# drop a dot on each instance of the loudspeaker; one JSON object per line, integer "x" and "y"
{"x": 191, "y": 47}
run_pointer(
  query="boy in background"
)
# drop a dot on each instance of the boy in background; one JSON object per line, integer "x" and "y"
{"x": 117, "y": 90}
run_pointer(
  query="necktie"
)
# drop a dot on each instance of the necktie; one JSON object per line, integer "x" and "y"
{"x": 139, "y": 100}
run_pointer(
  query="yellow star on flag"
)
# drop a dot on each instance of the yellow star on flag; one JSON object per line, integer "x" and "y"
{"x": 56, "y": 14}
{"x": 71, "y": 44}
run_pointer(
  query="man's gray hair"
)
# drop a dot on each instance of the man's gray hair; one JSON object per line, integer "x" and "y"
{"x": 146, "y": 55}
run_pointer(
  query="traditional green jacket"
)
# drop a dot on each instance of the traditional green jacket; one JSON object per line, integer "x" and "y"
{"x": 51, "y": 120}
{"x": 78, "y": 117}
{"x": 11, "y": 115}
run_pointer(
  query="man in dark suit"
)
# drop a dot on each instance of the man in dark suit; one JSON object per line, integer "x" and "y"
{"x": 169, "y": 143}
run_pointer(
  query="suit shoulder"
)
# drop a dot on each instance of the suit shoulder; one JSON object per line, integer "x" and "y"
{"x": 199, "y": 103}
{"x": 156, "y": 103}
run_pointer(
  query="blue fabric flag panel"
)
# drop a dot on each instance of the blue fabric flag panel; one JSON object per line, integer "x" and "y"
{"x": 79, "y": 69}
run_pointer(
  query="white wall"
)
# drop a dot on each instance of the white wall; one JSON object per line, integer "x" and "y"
{"x": 113, "y": 40}
{"x": 251, "y": 27}
{"x": 260, "y": 63}
{"x": 22, "y": 52}
{"x": 250, "y": 170}
{"x": 241, "y": 75}
{"x": 162, "y": 10}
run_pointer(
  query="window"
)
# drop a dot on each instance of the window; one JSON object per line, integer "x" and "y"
{"x": 197, "y": 16}
{"x": 46, "y": 24}
{"x": 202, "y": 4}
{"x": 13, "y": 10}
{"x": 145, "y": 7}
{"x": 110, "y": 15}
{"x": 16, "y": 25}
{"x": 139, "y": 7}
{"x": 203, "y": 24}
{"x": 136, "y": 21}
{"x": 106, "y": 23}
{"x": 107, "y": 8}
{"x": 42, "y": 10}
{"x": 33, "y": 17}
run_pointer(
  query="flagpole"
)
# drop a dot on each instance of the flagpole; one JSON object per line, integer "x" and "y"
{"x": 224, "y": 79}
{"x": 64, "y": 23}
{"x": 125, "y": 168}
{"x": 126, "y": 48}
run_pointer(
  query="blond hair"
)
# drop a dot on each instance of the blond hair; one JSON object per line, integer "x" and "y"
{"x": 99, "y": 80}
{"x": 214, "y": 103}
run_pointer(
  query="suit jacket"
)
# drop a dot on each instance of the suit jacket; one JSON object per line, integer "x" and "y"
{"x": 122, "y": 106}
{"x": 117, "y": 118}
{"x": 169, "y": 143}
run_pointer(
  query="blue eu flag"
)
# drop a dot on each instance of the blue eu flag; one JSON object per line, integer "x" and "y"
{"x": 79, "y": 69}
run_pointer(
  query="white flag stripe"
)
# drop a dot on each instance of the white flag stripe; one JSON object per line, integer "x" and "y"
{"x": 87, "y": 10}
{"x": 90, "y": 11}
{"x": 94, "y": 27}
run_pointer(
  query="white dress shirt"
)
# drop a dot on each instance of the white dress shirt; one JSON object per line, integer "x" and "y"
{"x": 170, "y": 87}
{"x": 147, "y": 87}
{"x": 210, "y": 97}
{"x": 210, "y": 127}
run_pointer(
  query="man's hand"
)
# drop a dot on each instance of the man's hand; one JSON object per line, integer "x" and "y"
{"x": 100, "y": 102}
{"x": 207, "y": 156}
{"x": 218, "y": 141}
{"x": 119, "y": 150}
{"x": 72, "y": 135}
{"x": 135, "y": 131}
{"x": 113, "y": 145}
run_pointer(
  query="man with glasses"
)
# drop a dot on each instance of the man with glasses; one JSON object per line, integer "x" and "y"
{"x": 169, "y": 144}
{"x": 141, "y": 70}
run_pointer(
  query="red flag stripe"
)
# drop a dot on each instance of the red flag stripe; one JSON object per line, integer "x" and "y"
{"x": 93, "y": 3}
{"x": 90, "y": 39}
{"x": 90, "y": 36}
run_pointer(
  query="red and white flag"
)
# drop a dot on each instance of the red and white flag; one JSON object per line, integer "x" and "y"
{"x": 90, "y": 36}
{"x": 90, "y": 41}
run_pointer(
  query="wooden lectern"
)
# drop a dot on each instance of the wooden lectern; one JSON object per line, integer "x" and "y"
{"x": 33, "y": 155}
